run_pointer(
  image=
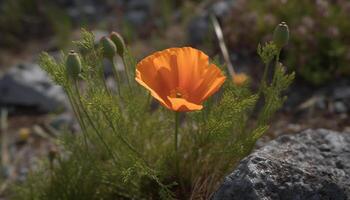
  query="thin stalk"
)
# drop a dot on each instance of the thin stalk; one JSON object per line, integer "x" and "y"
{"x": 262, "y": 120}
{"x": 77, "y": 114}
{"x": 124, "y": 140}
{"x": 264, "y": 79}
{"x": 176, "y": 143}
{"x": 117, "y": 78}
{"x": 276, "y": 64}
{"x": 176, "y": 132}
{"x": 104, "y": 80}
{"x": 98, "y": 133}
{"x": 126, "y": 73}
{"x": 148, "y": 101}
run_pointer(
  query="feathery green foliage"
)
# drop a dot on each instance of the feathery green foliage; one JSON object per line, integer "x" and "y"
{"x": 125, "y": 149}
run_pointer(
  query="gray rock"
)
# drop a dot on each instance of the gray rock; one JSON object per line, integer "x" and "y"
{"x": 340, "y": 107}
{"x": 27, "y": 86}
{"x": 342, "y": 92}
{"x": 314, "y": 164}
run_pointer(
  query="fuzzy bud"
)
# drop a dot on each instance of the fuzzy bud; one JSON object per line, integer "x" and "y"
{"x": 73, "y": 64}
{"x": 240, "y": 78}
{"x": 119, "y": 43}
{"x": 281, "y": 35}
{"x": 109, "y": 48}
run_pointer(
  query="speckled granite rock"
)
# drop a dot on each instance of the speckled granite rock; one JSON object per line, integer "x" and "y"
{"x": 314, "y": 164}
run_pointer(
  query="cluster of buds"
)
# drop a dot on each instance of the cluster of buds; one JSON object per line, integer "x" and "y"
{"x": 111, "y": 46}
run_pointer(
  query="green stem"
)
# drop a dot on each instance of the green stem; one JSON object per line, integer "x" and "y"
{"x": 176, "y": 131}
{"x": 264, "y": 80}
{"x": 124, "y": 140}
{"x": 126, "y": 73}
{"x": 147, "y": 101}
{"x": 77, "y": 113}
{"x": 104, "y": 80}
{"x": 93, "y": 125}
{"x": 117, "y": 78}
{"x": 176, "y": 143}
{"x": 276, "y": 64}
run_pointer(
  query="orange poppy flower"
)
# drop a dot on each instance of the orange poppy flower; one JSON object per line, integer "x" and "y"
{"x": 179, "y": 78}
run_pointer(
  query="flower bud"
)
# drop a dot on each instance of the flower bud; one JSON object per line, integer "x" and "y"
{"x": 239, "y": 79}
{"x": 73, "y": 64}
{"x": 119, "y": 42}
{"x": 281, "y": 35}
{"x": 24, "y": 134}
{"x": 109, "y": 48}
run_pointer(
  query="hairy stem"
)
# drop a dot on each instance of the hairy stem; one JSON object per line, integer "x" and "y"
{"x": 98, "y": 133}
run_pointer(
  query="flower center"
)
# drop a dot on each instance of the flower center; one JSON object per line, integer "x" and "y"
{"x": 178, "y": 93}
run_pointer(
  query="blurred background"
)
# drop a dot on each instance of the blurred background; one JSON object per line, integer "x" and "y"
{"x": 34, "y": 111}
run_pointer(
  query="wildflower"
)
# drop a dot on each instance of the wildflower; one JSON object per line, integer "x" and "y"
{"x": 179, "y": 78}
{"x": 239, "y": 78}
{"x": 281, "y": 35}
{"x": 119, "y": 42}
{"x": 73, "y": 65}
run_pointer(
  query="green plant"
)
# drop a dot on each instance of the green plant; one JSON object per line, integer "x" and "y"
{"x": 126, "y": 147}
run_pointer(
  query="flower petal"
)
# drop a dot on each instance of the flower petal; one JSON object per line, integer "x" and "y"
{"x": 182, "y": 105}
{"x": 191, "y": 64}
{"x": 148, "y": 76}
{"x": 211, "y": 81}
{"x": 155, "y": 94}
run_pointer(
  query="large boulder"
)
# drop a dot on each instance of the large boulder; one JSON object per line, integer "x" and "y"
{"x": 27, "y": 86}
{"x": 314, "y": 164}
